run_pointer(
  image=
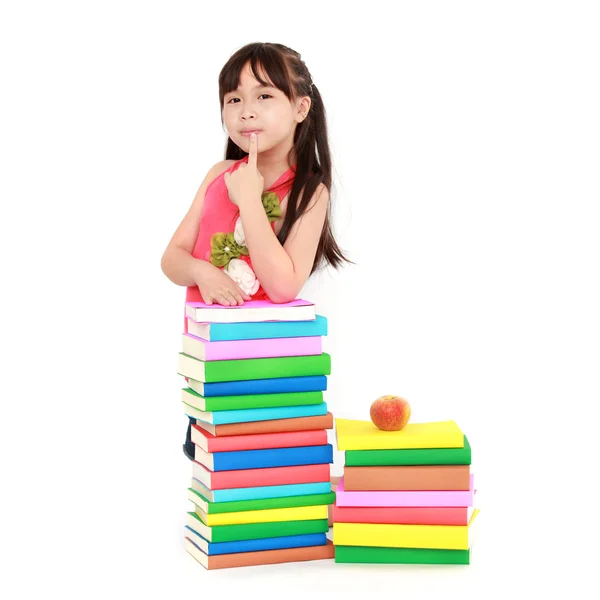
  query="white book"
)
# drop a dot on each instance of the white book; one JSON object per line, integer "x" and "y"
{"x": 252, "y": 311}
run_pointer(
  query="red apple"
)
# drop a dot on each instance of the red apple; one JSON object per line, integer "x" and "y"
{"x": 390, "y": 413}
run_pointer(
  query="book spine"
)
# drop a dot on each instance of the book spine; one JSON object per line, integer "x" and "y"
{"x": 416, "y": 456}
{"x": 299, "y": 513}
{"x": 266, "y": 440}
{"x": 400, "y": 556}
{"x": 274, "y": 425}
{"x": 404, "y": 498}
{"x": 417, "y": 478}
{"x": 263, "y": 557}
{"x": 254, "y": 531}
{"x": 272, "y": 491}
{"x": 220, "y": 403}
{"x": 415, "y": 515}
{"x": 290, "y": 541}
{"x": 265, "y": 414}
{"x": 279, "y": 457}
{"x": 270, "y": 476}
{"x": 265, "y": 368}
{"x": 277, "y": 385}
{"x": 266, "y": 330}
{"x": 443, "y": 537}
{"x": 265, "y": 348}
{"x": 264, "y": 503}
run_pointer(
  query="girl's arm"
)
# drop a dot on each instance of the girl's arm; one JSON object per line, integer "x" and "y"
{"x": 283, "y": 270}
{"x": 177, "y": 262}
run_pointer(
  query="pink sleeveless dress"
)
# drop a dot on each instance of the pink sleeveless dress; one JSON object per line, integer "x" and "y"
{"x": 221, "y": 216}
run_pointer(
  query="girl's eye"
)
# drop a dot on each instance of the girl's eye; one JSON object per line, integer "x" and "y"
{"x": 230, "y": 101}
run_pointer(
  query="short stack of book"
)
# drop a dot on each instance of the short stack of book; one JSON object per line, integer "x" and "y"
{"x": 406, "y": 496}
{"x": 255, "y": 377}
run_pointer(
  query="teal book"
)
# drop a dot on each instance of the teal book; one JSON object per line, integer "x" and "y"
{"x": 223, "y": 332}
{"x": 249, "y": 415}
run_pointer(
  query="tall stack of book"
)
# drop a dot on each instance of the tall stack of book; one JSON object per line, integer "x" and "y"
{"x": 406, "y": 496}
{"x": 255, "y": 377}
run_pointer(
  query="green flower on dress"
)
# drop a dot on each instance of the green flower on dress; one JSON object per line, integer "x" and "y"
{"x": 223, "y": 248}
{"x": 271, "y": 205}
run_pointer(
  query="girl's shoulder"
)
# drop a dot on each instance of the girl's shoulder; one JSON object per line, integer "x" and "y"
{"x": 219, "y": 170}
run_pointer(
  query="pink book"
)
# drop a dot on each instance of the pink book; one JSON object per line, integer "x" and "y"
{"x": 264, "y": 348}
{"x": 245, "y": 478}
{"x": 404, "y": 498}
{"x": 257, "y": 441}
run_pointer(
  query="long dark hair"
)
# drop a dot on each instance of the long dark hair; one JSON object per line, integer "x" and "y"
{"x": 287, "y": 72}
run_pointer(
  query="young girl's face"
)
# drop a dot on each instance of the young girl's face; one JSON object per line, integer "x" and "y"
{"x": 265, "y": 109}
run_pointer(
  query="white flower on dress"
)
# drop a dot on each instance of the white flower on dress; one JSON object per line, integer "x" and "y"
{"x": 243, "y": 275}
{"x": 238, "y": 234}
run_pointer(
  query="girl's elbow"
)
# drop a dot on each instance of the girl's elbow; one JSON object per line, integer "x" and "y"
{"x": 282, "y": 296}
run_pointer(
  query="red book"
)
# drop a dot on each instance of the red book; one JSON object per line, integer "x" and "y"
{"x": 222, "y": 480}
{"x": 410, "y": 515}
{"x": 231, "y": 443}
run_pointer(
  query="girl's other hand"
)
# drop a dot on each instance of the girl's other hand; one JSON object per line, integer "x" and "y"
{"x": 217, "y": 287}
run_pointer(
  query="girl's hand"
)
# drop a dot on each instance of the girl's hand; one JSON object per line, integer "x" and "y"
{"x": 246, "y": 182}
{"x": 216, "y": 286}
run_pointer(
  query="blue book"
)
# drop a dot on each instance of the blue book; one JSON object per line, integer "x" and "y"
{"x": 289, "y": 541}
{"x": 248, "y": 415}
{"x": 220, "y": 332}
{"x": 278, "y": 385}
{"x": 262, "y": 492}
{"x": 265, "y": 458}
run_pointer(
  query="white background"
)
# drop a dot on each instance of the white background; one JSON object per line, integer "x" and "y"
{"x": 465, "y": 139}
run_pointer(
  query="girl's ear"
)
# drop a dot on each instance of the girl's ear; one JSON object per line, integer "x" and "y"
{"x": 302, "y": 108}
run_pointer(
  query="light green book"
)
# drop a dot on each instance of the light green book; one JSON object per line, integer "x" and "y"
{"x": 397, "y": 556}
{"x": 216, "y": 403}
{"x": 253, "y": 368}
{"x": 410, "y": 456}
{"x": 260, "y": 504}
{"x": 254, "y": 531}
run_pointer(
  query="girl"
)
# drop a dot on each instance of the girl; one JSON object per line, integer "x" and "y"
{"x": 259, "y": 224}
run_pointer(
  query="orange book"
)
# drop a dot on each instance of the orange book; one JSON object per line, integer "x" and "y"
{"x": 273, "y": 426}
{"x": 262, "y": 557}
{"x": 413, "y": 477}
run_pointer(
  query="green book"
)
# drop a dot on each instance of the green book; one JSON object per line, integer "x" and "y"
{"x": 410, "y": 456}
{"x": 254, "y": 531}
{"x": 216, "y": 403}
{"x": 401, "y": 556}
{"x": 253, "y": 368}
{"x": 259, "y": 504}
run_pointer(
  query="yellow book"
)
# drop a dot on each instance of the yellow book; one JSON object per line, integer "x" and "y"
{"x": 271, "y": 515}
{"x": 441, "y": 537}
{"x": 363, "y": 435}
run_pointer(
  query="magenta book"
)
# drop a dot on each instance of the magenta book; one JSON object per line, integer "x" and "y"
{"x": 237, "y": 349}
